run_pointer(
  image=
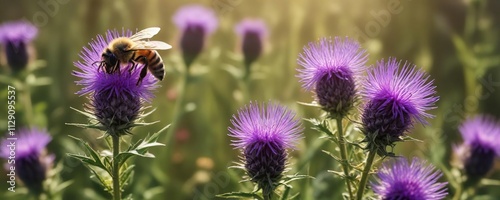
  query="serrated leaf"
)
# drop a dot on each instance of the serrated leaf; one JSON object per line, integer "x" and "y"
{"x": 93, "y": 154}
{"x": 409, "y": 138}
{"x": 147, "y": 114}
{"x": 294, "y": 196}
{"x": 321, "y": 126}
{"x": 312, "y": 104}
{"x": 313, "y": 121}
{"x": 239, "y": 195}
{"x": 84, "y": 159}
{"x": 145, "y": 145}
{"x": 106, "y": 183}
{"x": 136, "y": 124}
{"x": 140, "y": 147}
{"x": 295, "y": 177}
{"x": 94, "y": 126}
{"x": 333, "y": 156}
{"x": 340, "y": 174}
{"x": 87, "y": 114}
{"x": 285, "y": 193}
{"x": 126, "y": 175}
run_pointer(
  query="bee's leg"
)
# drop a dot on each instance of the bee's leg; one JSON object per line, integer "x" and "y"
{"x": 116, "y": 68}
{"x": 134, "y": 65}
{"x": 100, "y": 66}
{"x": 144, "y": 71}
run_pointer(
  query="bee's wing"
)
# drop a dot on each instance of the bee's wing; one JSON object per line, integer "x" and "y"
{"x": 145, "y": 34}
{"x": 156, "y": 45}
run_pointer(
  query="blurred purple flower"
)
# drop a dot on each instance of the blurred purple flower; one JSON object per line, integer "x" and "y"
{"x": 481, "y": 145}
{"x": 263, "y": 133}
{"x": 16, "y": 37}
{"x": 31, "y": 161}
{"x": 196, "y": 22}
{"x": 115, "y": 99}
{"x": 395, "y": 99}
{"x": 401, "y": 179}
{"x": 252, "y": 32}
{"x": 331, "y": 67}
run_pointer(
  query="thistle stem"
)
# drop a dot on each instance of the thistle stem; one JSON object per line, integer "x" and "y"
{"x": 366, "y": 173}
{"x": 244, "y": 84}
{"x": 116, "y": 169}
{"x": 178, "y": 107}
{"x": 26, "y": 99}
{"x": 343, "y": 156}
{"x": 458, "y": 193}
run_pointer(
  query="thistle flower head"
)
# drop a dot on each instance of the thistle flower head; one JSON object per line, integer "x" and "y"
{"x": 252, "y": 32}
{"x": 263, "y": 133}
{"x": 16, "y": 37}
{"x": 330, "y": 68}
{"x": 395, "y": 99}
{"x": 31, "y": 162}
{"x": 401, "y": 179}
{"x": 115, "y": 99}
{"x": 195, "y": 22}
{"x": 481, "y": 145}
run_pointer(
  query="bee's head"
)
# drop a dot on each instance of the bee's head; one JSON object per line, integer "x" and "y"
{"x": 109, "y": 61}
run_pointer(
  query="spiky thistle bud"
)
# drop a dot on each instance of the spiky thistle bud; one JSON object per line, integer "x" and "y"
{"x": 330, "y": 68}
{"x": 16, "y": 37}
{"x": 115, "y": 99}
{"x": 395, "y": 99}
{"x": 31, "y": 161}
{"x": 195, "y": 22}
{"x": 252, "y": 33}
{"x": 263, "y": 134}
{"x": 403, "y": 179}
{"x": 480, "y": 146}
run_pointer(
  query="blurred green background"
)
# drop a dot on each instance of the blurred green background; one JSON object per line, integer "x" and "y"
{"x": 457, "y": 42}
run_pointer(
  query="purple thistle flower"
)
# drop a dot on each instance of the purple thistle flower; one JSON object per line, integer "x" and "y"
{"x": 395, "y": 100}
{"x": 115, "y": 99}
{"x": 196, "y": 22}
{"x": 253, "y": 32}
{"x": 263, "y": 134}
{"x": 31, "y": 162}
{"x": 415, "y": 180}
{"x": 330, "y": 68}
{"x": 481, "y": 145}
{"x": 16, "y": 37}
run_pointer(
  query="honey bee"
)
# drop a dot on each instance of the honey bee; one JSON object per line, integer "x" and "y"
{"x": 135, "y": 49}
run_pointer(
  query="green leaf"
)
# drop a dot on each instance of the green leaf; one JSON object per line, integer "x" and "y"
{"x": 107, "y": 181}
{"x": 140, "y": 148}
{"x": 87, "y": 114}
{"x": 321, "y": 126}
{"x": 290, "y": 178}
{"x": 312, "y": 104}
{"x": 126, "y": 176}
{"x": 136, "y": 124}
{"x": 94, "y": 158}
{"x": 240, "y": 195}
{"x": 285, "y": 193}
{"x": 84, "y": 159}
{"x": 340, "y": 174}
{"x": 332, "y": 155}
{"x": 94, "y": 126}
